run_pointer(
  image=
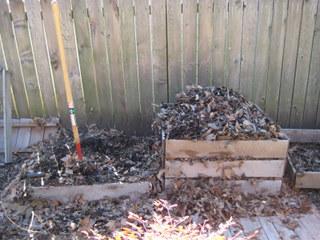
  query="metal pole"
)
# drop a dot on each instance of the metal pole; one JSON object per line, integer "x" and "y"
{"x": 67, "y": 84}
{"x": 7, "y": 116}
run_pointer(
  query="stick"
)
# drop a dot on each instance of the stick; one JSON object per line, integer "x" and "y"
{"x": 67, "y": 85}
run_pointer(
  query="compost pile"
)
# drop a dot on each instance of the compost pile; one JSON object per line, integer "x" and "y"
{"x": 109, "y": 156}
{"x": 305, "y": 157}
{"x": 212, "y": 113}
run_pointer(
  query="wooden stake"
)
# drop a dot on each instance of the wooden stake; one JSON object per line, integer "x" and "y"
{"x": 67, "y": 85}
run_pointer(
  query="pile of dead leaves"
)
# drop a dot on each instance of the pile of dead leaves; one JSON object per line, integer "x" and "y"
{"x": 209, "y": 199}
{"x": 212, "y": 113}
{"x": 109, "y": 156}
{"x": 305, "y": 157}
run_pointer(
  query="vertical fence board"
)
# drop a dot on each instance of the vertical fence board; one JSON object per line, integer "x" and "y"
{"x": 249, "y": 27}
{"x": 174, "y": 47}
{"x": 313, "y": 90}
{"x": 144, "y": 59}
{"x": 2, "y": 64}
{"x": 115, "y": 56}
{"x": 85, "y": 52}
{"x": 289, "y": 61}
{"x": 101, "y": 61}
{"x": 276, "y": 55}
{"x": 220, "y": 15}
{"x": 303, "y": 62}
{"x": 159, "y": 50}
{"x": 67, "y": 26}
{"x": 55, "y": 65}
{"x": 33, "y": 10}
{"x": 205, "y": 42}
{"x": 12, "y": 59}
{"x": 130, "y": 64}
{"x": 233, "y": 52}
{"x": 262, "y": 52}
{"x": 189, "y": 35}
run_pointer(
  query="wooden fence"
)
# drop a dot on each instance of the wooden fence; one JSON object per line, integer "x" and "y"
{"x": 125, "y": 57}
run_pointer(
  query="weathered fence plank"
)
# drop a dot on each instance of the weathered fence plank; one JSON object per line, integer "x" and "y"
{"x": 303, "y": 60}
{"x": 159, "y": 50}
{"x": 85, "y": 52}
{"x": 130, "y": 64}
{"x": 144, "y": 59}
{"x": 9, "y": 48}
{"x": 289, "y": 61}
{"x": 205, "y": 42}
{"x": 313, "y": 91}
{"x": 189, "y": 40}
{"x": 262, "y": 53}
{"x": 101, "y": 61}
{"x": 55, "y": 65}
{"x": 278, "y": 31}
{"x": 68, "y": 30}
{"x": 220, "y": 19}
{"x": 2, "y": 65}
{"x": 25, "y": 51}
{"x": 111, "y": 8}
{"x": 174, "y": 20}
{"x": 249, "y": 25}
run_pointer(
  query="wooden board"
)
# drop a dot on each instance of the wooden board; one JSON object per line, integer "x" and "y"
{"x": 249, "y": 25}
{"x": 28, "y": 122}
{"x": 268, "y": 228}
{"x": 36, "y": 135}
{"x": 225, "y": 169}
{"x": 41, "y": 59}
{"x": 303, "y": 135}
{"x": 205, "y": 42}
{"x": 85, "y": 52}
{"x": 101, "y": 61}
{"x": 200, "y": 149}
{"x": 303, "y": 60}
{"x": 7, "y": 114}
{"x": 23, "y": 139}
{"x": 252, "y": 224}
{"x": 289, "y": 61}
{"x": 278, "y": 31}
{"x": 220, "y": 20}
{"x": 94, "y": 192}
{"x": 311, "y": 223}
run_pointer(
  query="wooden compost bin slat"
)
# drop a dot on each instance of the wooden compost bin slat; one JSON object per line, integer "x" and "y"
{"x": 266, "y": 149}
{"x": 241, "y": 168}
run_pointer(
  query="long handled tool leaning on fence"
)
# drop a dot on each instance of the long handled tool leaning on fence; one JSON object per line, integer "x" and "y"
{"x": 67, "y": 85}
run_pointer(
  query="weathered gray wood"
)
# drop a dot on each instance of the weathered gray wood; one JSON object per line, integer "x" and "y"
{"x": 308, "y": 180}
{"x": 289, "y": 61}
{"x": 144, "y": 60}
{"x": 198, "y": 149}
{"x": 252, "y": 224}
{"x": 303, "y": 135}
{"x": 174, "y": 24}
{"x": 130, "y": 73}
{"x": 189, "y": 42}
{"x": 220, "y": 20}
{"x": 159, "y": 53}
{"x": 303, "y": 62}
{"x": 23, "y": 138}
{"x": 36, "y": 135}
{"x": 313, "y": 90}
{"x": 55, "y": 65}
{"x": 67, "y": 25}
{"x": 233, "y": 51}
{"x": 206, "y": 26}
{"x": 303, "y": 232}
{"x": 39, "y": 47}
{"x": 225, "y": 169}
{"x": 112, "y": 17}
{"x": 249, "y": 25}
{"x": 26, "y": 57}
{"x": 101, "y": 61}
{"x": 81, "y": 23}
{"x": 12, "y": 59}
{"x": 278, "y": 31}
{"x": 269, "y": 228}
{"x": 283, "y": 231}
{"x": 7, "y": 115}
{"x": 311, "y": 223}
{"x": 67, "y": 194}
{"x": 2, "y": 65}
{"x": 262, "y": 53}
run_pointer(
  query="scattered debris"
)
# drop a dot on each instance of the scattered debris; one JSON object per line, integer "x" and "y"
{"x": 109, "y": 156}
{"x": 305, "y": 156}
{"x": 211, "y": 113}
